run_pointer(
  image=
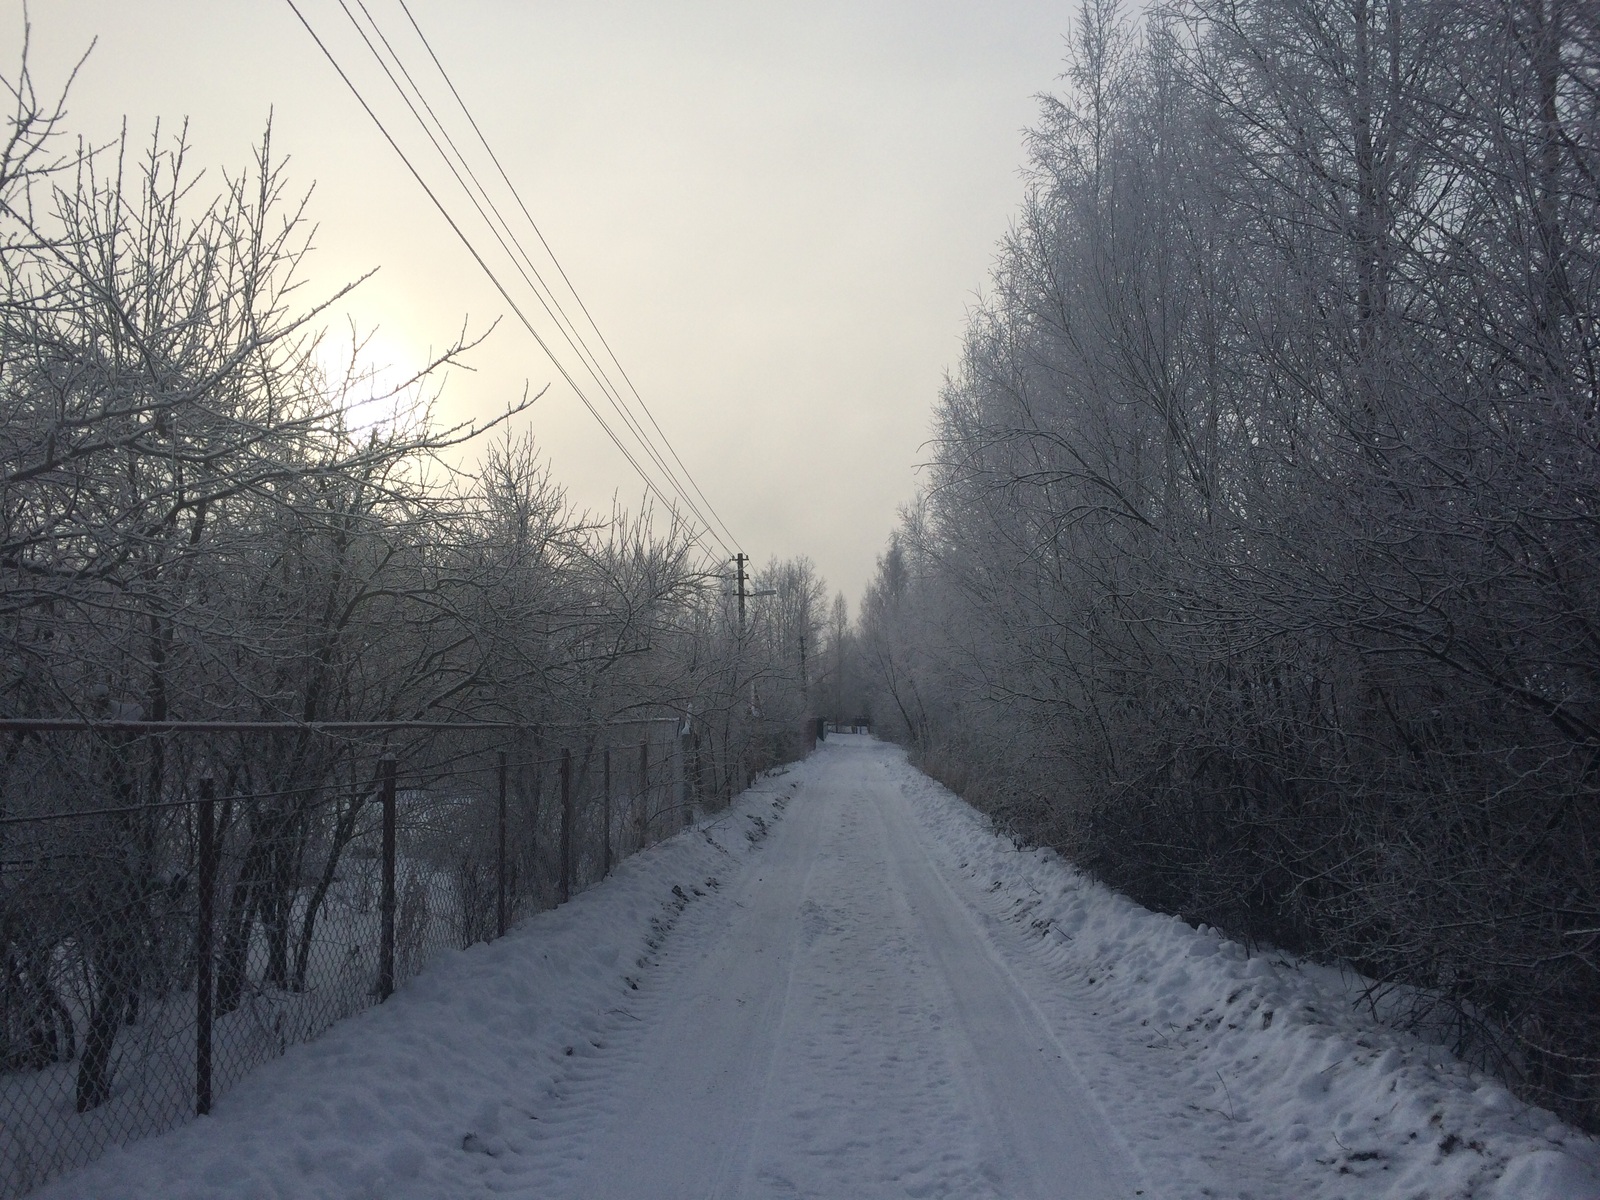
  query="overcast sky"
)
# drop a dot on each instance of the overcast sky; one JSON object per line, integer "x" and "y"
{"x": 778, "y": 214}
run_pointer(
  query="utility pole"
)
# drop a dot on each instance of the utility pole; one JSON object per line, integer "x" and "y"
{"x": 739, "y": 559}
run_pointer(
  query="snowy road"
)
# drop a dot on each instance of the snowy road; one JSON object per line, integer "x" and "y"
{"x": 849, "y": 1031}
{"x": 846, "y": 986}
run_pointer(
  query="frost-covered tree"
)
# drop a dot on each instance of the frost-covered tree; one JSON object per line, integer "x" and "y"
{"x": 1257, "y": 567}
{"x": 201, "y": 521}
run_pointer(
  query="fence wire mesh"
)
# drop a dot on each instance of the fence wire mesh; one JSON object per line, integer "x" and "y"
{"x": 177, "y": 908}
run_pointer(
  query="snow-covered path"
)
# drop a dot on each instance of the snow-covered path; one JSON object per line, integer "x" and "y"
{"x": 847, "y": 986}
{"x": 849, "y": 1031}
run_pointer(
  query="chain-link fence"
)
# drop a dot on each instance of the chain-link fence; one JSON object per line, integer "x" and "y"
{"x": 180, "y": 903}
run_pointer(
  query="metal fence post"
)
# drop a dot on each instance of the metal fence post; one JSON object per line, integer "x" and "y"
{"x": 204, "y": 941}
{"x": 500, "y": 853}
{"x": 566, "y": 826}
{"x": 386, "y": 936}
{"x": 605, "y": 821}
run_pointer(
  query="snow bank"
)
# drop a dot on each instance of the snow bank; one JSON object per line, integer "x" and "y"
{"x": 385, "y": 1102}
{"x": 1285, "y": 1054}
{"x": 1204, "y": 1057}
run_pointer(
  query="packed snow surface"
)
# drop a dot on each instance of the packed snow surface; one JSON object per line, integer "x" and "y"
{"x": 847, "y": 986}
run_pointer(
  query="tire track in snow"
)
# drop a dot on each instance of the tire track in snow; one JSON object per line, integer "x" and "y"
{"x": 850, "y": 1018}
{"x": 849, "y": 1033}
{"x": 831, "y": 1022}
{"x": 1196, "y": 1148}
{"x": 574, "y": 1118}
{"x": 735, "y": 1160}
{"x": 1050, "y": 1121}
{"x": 871, "y": 1101}
{"x": 671, "y": 1115}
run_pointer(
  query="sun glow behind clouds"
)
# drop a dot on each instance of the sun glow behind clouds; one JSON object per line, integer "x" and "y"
{"x": 777, "y": 213}
{"x": 374, "y": 378}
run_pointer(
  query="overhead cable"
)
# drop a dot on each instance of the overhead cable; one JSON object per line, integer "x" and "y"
{"x": 534, "y": 225}
{"x": 515, "y": 251}
{"x": 652, "y": 486}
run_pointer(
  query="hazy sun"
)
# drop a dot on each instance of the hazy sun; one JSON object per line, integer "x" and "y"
{"x": 372, "y": 372}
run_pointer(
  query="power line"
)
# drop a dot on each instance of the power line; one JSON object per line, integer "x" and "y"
{"x": 534, "y": 225}
{"x": 547, "y": 297}
{"x": 552, "y": 306}
{"x": 471, "y": 249}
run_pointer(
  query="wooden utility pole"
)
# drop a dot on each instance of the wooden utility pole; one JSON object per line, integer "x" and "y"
{"x": 740, "y": 559}
{"x": 743, "y": 579}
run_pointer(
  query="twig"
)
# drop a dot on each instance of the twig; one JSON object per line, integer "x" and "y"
{"x": 1228, "y": 1094}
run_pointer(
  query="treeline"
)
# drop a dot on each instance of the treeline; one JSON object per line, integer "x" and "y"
{"x": 203, "y": 517}
{"x": 1259, "y": 565}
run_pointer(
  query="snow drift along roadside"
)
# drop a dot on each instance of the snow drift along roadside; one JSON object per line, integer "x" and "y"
{"x": 1196, "y": 1046}
{"x": 383, "y": 1103}
{"x": 1278, "y": 1045}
